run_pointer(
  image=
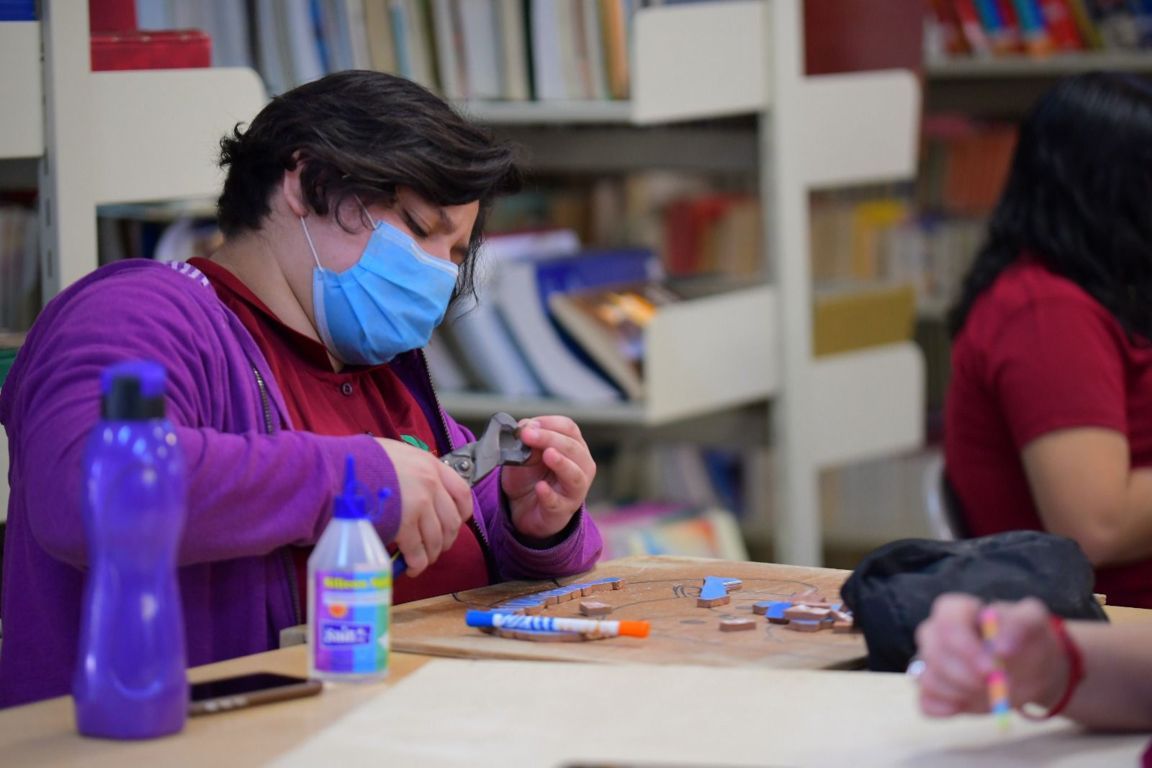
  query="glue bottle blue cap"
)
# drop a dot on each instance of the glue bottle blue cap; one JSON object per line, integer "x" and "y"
{"x": 351, "y": 504}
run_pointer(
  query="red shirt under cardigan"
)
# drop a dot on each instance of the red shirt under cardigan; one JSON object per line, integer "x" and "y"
{"x": 358, "y": 399}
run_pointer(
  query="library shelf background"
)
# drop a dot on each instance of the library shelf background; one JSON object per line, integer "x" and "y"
{"x": 722, "y": 59}
{"x": 105, "y": 137}
{"x": 114, "y": 137}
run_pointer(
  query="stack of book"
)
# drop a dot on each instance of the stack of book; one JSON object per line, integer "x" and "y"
{"x": 514, "y": 341}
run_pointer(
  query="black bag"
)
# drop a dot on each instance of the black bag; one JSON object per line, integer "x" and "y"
{"x": 893, "y": 588}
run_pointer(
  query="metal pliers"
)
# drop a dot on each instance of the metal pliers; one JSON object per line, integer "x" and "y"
{"x": 499, "y": 444}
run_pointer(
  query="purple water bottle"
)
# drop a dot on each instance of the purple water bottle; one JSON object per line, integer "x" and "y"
{"x": 130, "y": 680}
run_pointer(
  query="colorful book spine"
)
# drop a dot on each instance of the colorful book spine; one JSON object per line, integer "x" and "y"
{"x": 1033, "y": 30}
{"x": 1085, "y": 25}
{"x": 948, "y": 24}
{"x": 972, "y": 28}
{"x": 1001, "y": 37}
{"x": 1061, "y": 23}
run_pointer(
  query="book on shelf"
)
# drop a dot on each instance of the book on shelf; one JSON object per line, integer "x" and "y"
{"x": 998, "y": 19}
{"x": 516, "y": 76}
{"x": 447, "y": 38}
{"x": 476, "y": 328}
{"x": 415, "y": 46}
{"x": 523, "y": 288}
{"x": 609, "y": 325}
{"x": 1062, "y": 25}
{"x": 481, "y": 50}
{"x": 378, "y": 34}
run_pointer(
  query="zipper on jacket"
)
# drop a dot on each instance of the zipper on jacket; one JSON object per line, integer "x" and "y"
{"x": 289, "y": 565}
{"x": 485, "y": 547}
{"x": 264, "y": 400}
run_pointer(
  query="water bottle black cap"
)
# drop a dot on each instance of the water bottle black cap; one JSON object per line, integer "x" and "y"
{"x": 132, "y": 391}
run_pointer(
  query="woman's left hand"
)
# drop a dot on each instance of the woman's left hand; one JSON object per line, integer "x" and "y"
{"x": 550, "y": 487}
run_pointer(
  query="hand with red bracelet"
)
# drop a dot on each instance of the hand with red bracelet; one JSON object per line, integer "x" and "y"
{"x": 1040, "y": 661}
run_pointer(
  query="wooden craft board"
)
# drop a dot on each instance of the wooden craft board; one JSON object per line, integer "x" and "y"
{"x": 661, "y": 590}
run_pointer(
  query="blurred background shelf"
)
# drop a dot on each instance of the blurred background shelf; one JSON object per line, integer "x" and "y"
{"x": 22, "y": 127}
{"x": 1021, "y": 66}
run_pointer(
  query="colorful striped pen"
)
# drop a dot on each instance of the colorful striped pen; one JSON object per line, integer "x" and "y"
{"x": 498, "y": 620}
{"x": 997, "y": 680}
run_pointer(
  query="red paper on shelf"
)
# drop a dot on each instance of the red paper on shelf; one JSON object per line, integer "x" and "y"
{"x": 151, "y": 49}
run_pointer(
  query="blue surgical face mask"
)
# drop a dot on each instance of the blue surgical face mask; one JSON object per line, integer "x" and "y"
{"x": 386, "y": 303}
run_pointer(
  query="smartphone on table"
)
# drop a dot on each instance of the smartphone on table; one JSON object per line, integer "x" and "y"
{"x": 228, "y": 693}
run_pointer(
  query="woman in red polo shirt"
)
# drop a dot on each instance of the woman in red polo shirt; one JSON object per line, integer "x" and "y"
{"x": 1048, "y": 422}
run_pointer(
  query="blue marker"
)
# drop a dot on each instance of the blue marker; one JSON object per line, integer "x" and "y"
{"x": 498, "y": 620}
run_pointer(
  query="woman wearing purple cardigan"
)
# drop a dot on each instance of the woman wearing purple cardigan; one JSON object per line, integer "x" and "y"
{"x": 352, "y": 211}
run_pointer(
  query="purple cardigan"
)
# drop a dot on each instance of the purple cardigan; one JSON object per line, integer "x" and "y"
{"x": 256, "y": 487}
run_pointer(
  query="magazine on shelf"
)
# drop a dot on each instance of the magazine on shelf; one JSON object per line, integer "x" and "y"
{"x": 477, "y": 329}
{"x": 609, "y": 324}
{"x": 522, "y": 290}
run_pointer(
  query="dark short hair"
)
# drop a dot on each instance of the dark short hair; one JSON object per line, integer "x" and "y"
{"x": 360, "y": 133}
{"x": 1079, "y": 198}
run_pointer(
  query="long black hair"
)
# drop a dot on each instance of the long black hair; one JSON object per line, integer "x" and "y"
{"x": 1079, "y": 198}
{"x": 363, "y": 134}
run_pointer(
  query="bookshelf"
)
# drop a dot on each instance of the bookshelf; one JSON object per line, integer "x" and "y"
{"x": 105, "y": 137}
{"x": 811, "y": 132}
{"x": 124, "y": 136}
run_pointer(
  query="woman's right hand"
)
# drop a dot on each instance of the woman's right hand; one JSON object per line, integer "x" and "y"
{"x": 957, "y": 662}
{"x": 435, "y": 502}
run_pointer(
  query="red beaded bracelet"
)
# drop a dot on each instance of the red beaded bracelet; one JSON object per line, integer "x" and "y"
{"x": 1075, "y": 671}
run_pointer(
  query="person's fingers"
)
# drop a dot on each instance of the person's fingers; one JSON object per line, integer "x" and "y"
{"x": 561, "y": 424}
{"x": 447, "y": 517}
{"x": 1021, "y": 626}
{"x": 414, "y": 554}
{"x": 955, "y": 607}
{"x": 571, "y": 476}
{"x": 547, "y": 498}
{"x": 431, "y": 534}
{"x": 459, "y": 492}
{"x": 934, "y": 705}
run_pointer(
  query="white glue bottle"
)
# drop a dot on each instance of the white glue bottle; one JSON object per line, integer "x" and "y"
{"x": 349, "y": 592}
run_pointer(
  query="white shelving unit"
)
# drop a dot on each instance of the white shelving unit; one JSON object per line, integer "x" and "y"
{"x": 105, "y": 137}
{"x": 746, "y": 58}
{"x": 119, "y": 137}
{"x": 116, "y": 137}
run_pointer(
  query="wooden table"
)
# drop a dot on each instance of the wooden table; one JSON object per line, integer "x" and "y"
{"x": 429, "y": 713}
{"x": 44, "y": 733}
